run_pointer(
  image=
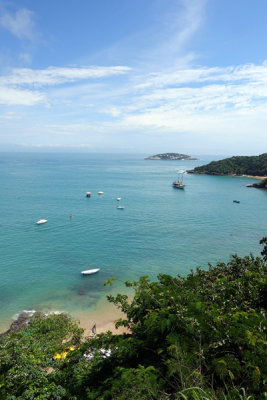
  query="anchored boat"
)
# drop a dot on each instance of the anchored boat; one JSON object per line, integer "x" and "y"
{"x": 90, "y": 271}
{"x": 179, "y": 184}
{"x": 41, "y": 221}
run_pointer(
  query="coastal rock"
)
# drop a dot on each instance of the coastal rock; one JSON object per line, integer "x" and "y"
{"x": 170, "y": 156}
{"x": 20, "y": 323}
{"x": 259, "y": 185}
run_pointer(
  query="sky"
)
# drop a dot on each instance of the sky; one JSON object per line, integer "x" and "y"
{"x": 142, "y": 76}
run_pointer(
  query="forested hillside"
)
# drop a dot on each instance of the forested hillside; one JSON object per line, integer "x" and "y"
{"x": 238, "y": 165}
{"x": 202, "y": 336}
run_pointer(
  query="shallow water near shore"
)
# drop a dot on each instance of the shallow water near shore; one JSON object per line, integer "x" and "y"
{"x": 160, "y": 229}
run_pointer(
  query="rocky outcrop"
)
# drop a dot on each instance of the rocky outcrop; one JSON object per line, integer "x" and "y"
{"x": 259, "y": 185}
{"x": 20, "y": 323}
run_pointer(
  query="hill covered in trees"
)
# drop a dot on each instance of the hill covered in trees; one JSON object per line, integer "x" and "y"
{"x": 199, "y": 337}
{"x": 238, "y": 165}
{"x": 170, "y": 156}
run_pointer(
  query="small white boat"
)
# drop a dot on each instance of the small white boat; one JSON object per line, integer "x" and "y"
{"x": 118, "y": 198}
{"x": 41, "y": 221}
{"x": 100, "y": 192}
{"x": 120, "y": 207}
{"x": 90, "y": 271}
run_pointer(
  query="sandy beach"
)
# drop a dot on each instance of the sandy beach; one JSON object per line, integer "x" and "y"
{"x": 104, "y": 320}
{"x": 253, "y": 177}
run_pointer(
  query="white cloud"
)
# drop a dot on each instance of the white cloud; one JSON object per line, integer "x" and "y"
{"x": 248, "y": 72}
{"x": 174, "y": 120}
{"x": 57, "y": 75}
{"x": 178, "y": 27}
{"x": 163, "y": 42}
{"x": 21, "y": 24}
{"x": 10, "y": 96}
{"x": 19, "y": 86}
{"x": 201, "y": 90}
{"x": 205, "y": 100}
{"x": 209, "y": 102}
{"x": 188, "y": 23}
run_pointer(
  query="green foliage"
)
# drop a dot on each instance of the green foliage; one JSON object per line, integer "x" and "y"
{"x": 205, "y": 329}
{"x": 196, "y": 393}
{"x": 25, "y": 356}
{"x": 264, "y": 251}
{"x": 238, "y": 165}
{"x": 199, "y": 337}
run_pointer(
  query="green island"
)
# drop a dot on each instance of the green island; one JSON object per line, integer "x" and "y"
{"x": 170, "y": 156}
{"x": 235, "y": 166}
{"x": 198, "y": 337}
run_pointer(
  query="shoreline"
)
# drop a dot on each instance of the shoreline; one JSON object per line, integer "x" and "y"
{"x": 233, "y": 175}
{"x": 103, "y": 318}
{"x": 252, "y": 177}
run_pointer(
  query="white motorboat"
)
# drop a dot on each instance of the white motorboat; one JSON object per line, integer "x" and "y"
{"x": 90, "y": 271}
{"x": 118, "y": 198}
{"x": 41, "y": 221}
{"x": 120, "y": 207}
{"x": 100, "y": 193}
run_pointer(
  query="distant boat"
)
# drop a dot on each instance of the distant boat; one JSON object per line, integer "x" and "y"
{"x": 90, "y": 271}
{"x": 41, "y": 221}
{"x": 179, "y": 184}
{"x": 118, "y": 198}
{"x": 236, "y": 201}
{"x": 120, "y": 207}
{"x": 88, "y": 194}
{"x": 100, "y": 192}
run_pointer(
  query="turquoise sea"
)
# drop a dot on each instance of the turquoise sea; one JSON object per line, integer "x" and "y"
{"x": 160, "y": 230}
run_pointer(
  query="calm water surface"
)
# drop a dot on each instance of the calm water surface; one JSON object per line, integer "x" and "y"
{"x": 161, "y": 229}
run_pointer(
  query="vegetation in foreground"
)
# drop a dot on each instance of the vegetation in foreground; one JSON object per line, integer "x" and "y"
{"x": 238, "y": 165}
{"x": 197, "y": 337}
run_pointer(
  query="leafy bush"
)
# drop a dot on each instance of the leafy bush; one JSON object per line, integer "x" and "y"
{"x": 25, "y": 356}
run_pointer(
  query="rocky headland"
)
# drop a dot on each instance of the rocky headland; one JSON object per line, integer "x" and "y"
{"x": 250, "y": 166}
{"x": 259, "y": 185}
